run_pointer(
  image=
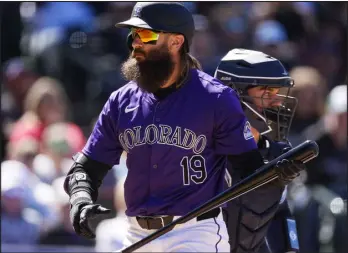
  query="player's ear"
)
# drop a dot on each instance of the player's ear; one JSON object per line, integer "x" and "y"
{"x": 175, "y": 42}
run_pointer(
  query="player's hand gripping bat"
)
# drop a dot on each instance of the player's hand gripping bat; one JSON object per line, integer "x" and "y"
{"x": 304, "y": 152}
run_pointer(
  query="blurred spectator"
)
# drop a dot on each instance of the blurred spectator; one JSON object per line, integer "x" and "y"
{"x": 269, "y": 32}
{"x": 204, "y": 45}
{"x": 64, "y": 233}
{"x": 19, "y": 75}
{"x": 55, "y": 21}
{"x": 45, "y": 104}
{"x": 271, "y": 37}
{"x": 308, "y": 22}
{"x": 14, "y": 218}
{"x": 60, "y": 141}
{"x": 57, "y": 37}
{"x": 310, "y": 90}
{"x": 110, "y": 233}
{"x": 83, "y": 51}
{"x": 230, "y": 24}
{"x": 24, "y": 150}
{"x": 288, "y": 15}
{"x": 27, "y": 204}
{"x": 329, "y": 170}
{"x": 330, "y": 132}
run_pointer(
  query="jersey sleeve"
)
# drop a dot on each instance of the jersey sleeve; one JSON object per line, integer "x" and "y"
{"x": 233, "y": 134}
{"x": 103, "y": 144}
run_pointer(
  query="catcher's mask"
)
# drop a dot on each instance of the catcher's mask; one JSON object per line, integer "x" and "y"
{"x": 244, "y": 69}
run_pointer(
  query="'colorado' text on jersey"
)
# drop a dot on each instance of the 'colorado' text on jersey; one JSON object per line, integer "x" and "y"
{"x": 176, "y": 147}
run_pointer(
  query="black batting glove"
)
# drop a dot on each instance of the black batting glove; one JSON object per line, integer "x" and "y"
{"x": 80, "y": 215}
{"x": 288, "y": 170}
{"x": 82, "y": 211}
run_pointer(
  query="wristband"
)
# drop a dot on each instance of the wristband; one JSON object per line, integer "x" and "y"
{"x": 80, "y": 197}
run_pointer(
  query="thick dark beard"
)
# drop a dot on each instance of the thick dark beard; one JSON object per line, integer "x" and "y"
{"x": 151, "y": 73}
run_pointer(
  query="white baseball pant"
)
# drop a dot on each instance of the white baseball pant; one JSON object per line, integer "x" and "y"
{"x": 209, "y": 235}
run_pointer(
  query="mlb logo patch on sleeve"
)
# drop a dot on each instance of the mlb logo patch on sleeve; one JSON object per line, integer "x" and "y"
{"x": 247, "y": 131}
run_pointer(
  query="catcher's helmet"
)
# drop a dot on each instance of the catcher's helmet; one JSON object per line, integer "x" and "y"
{"x": 164, "y": 17}
{"x": 242, "y": 69}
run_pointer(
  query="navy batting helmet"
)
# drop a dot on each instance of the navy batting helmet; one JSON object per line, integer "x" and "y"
{"x": 242, "y": 69}
{"x": 163, "y": 17}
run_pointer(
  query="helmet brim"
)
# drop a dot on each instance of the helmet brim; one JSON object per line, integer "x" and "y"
{"x": 134, "y": 22}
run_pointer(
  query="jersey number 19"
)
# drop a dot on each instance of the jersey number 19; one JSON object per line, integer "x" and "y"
{"x": 193, "y": 169}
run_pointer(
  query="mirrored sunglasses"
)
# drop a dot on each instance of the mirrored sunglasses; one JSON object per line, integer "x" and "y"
{"x": 145, "y": 35}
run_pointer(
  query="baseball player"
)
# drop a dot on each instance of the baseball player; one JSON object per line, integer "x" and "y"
{"x": 179, "y": 127}
{"x": 258, "y": 78}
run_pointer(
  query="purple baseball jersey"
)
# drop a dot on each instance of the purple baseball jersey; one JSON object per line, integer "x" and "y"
{"x": 176, "y": 147}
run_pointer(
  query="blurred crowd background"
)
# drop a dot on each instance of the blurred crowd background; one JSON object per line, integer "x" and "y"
{"x": 61, "y": 60}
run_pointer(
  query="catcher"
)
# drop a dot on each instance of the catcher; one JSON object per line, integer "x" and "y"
{"x": 258, "y": 79}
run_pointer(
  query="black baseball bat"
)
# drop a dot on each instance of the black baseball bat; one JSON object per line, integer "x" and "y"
{"x": 304, "y": 152}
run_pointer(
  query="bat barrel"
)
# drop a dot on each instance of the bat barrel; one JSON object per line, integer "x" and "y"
{"x": 303, "y": 152}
